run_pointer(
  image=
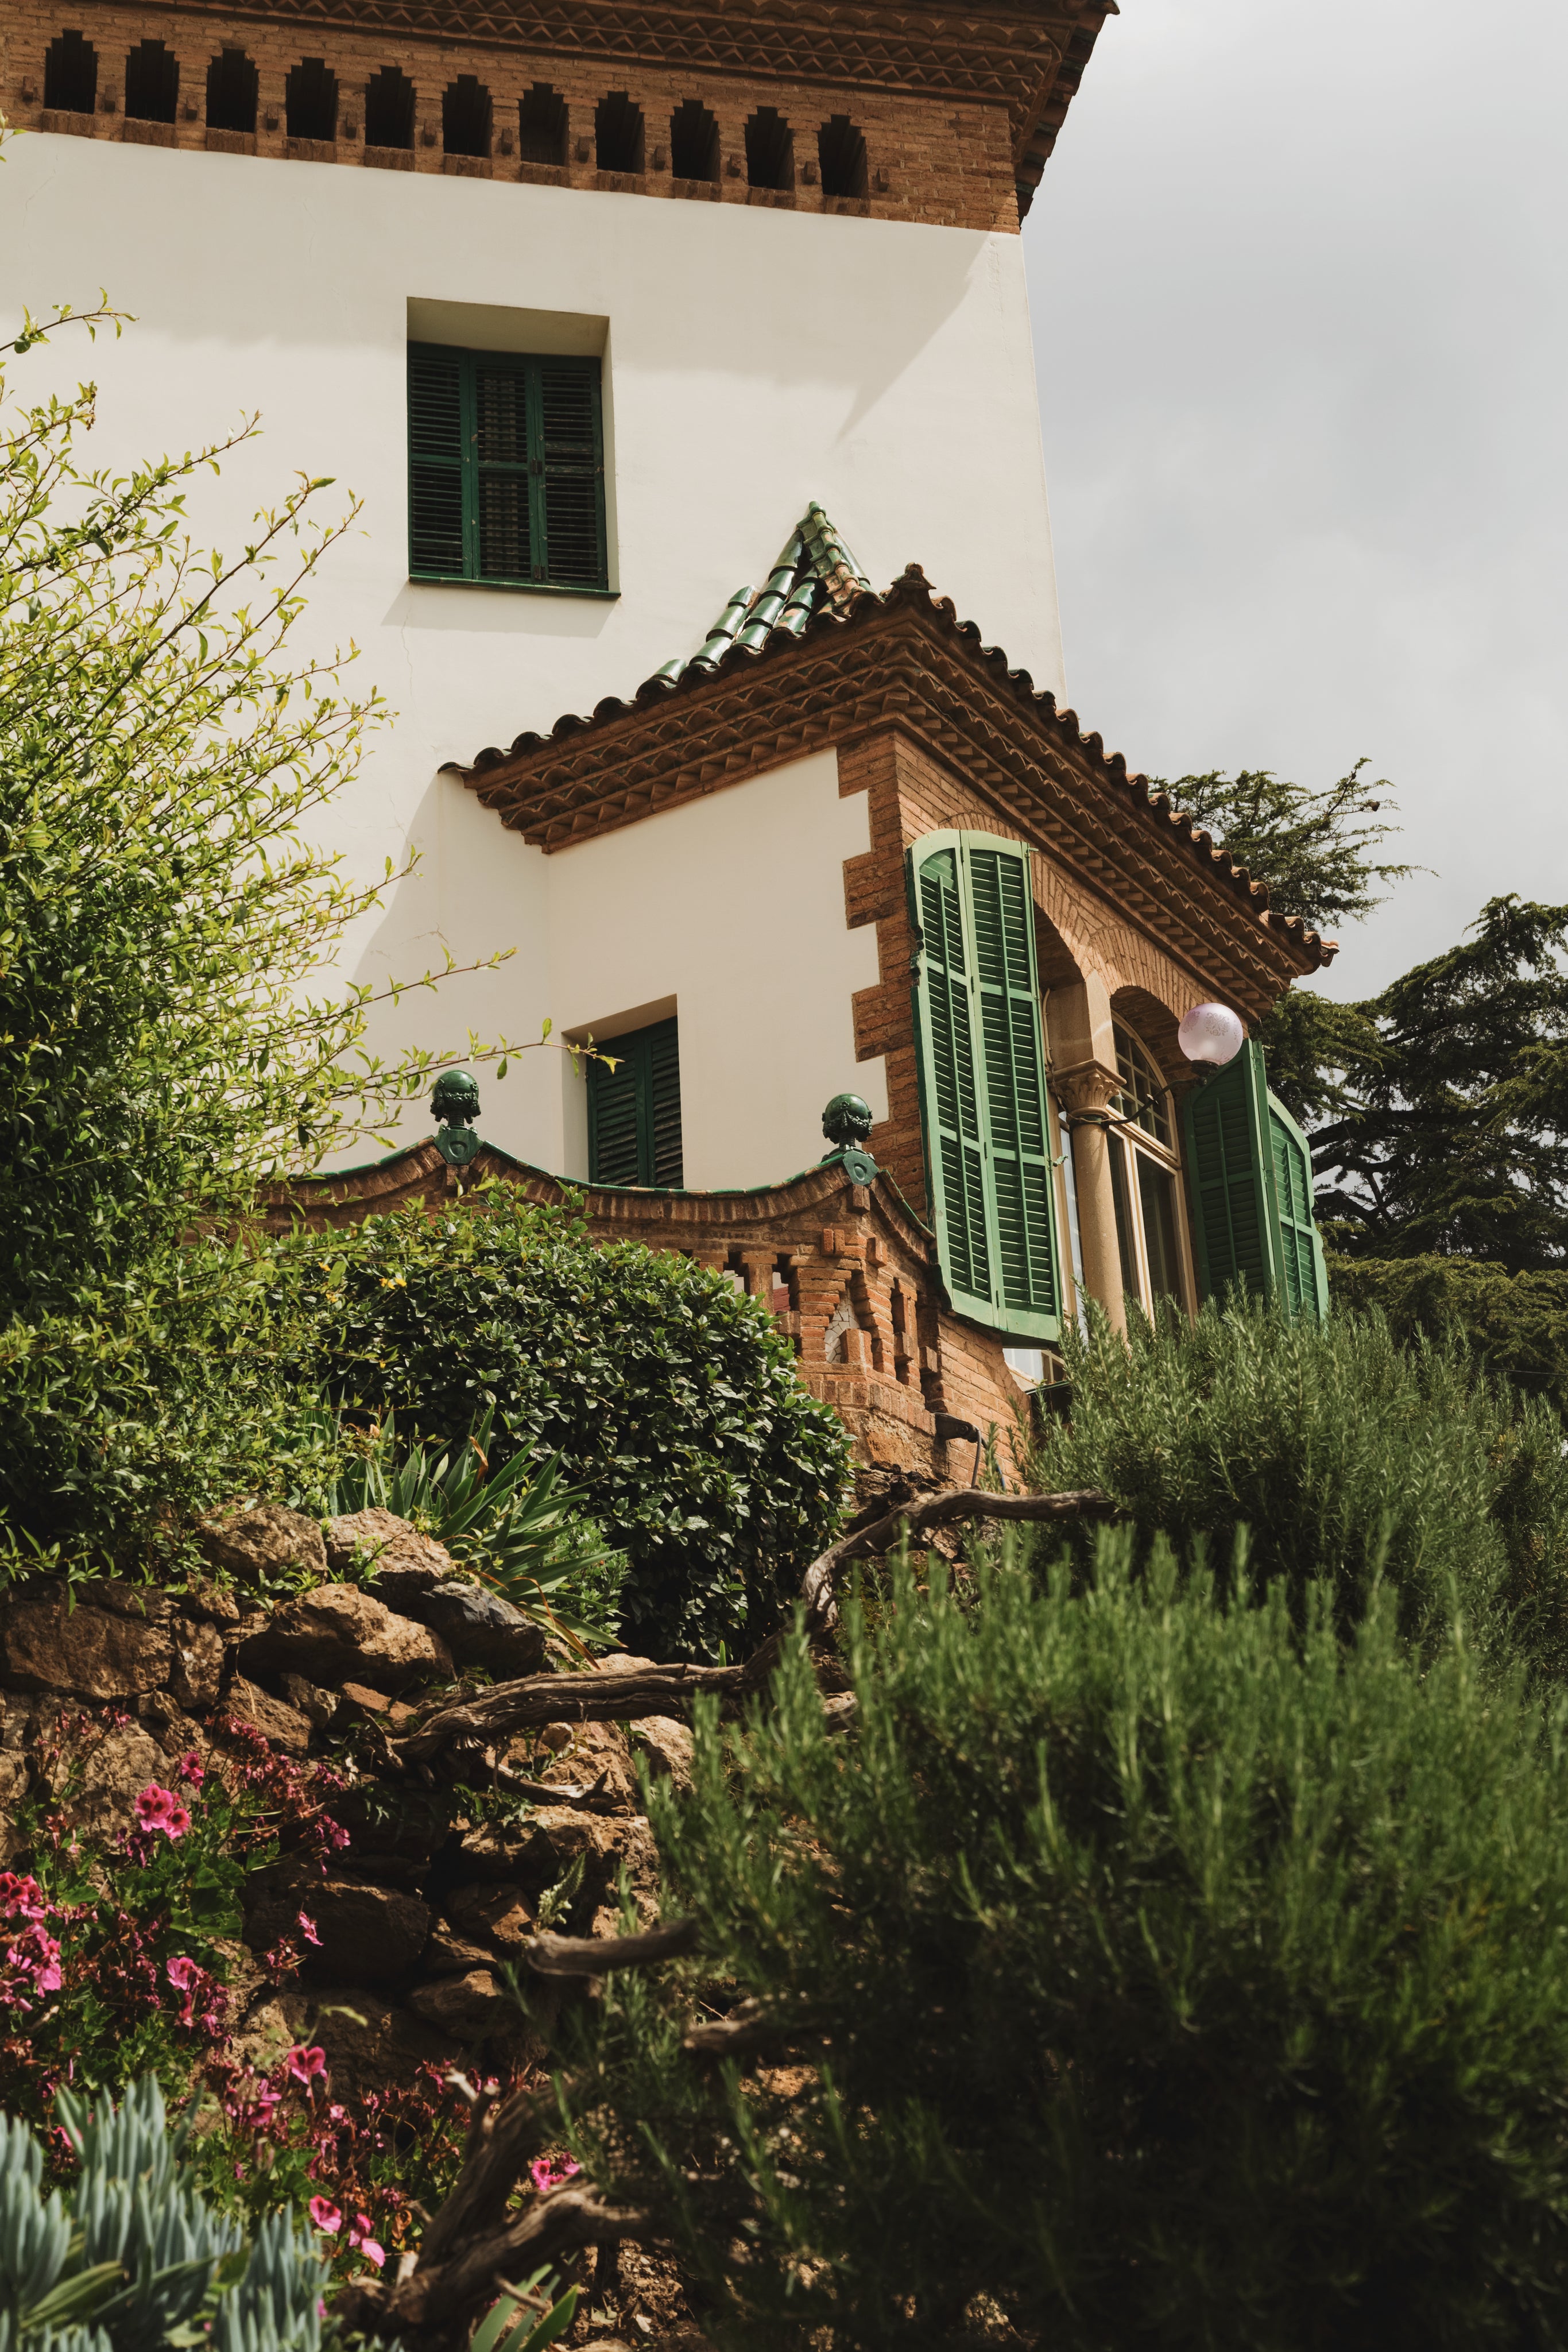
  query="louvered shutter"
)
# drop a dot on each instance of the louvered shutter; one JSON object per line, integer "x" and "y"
{"x": 1249, "y": 1172}
{"x": 436, "y": 538}
{"x": 635, "y": 1110}
{"x": 501, "y": 478}
{"x": 982, "y": 1066}
{"x": 572, "y": 473}
{"x": 1304, "y": 1275}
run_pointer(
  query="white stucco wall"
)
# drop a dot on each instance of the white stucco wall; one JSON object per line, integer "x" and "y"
{"x": 754, "y": 360}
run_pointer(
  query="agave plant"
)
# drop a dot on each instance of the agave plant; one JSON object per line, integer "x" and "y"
{"x": 130, "y": 2258}
{"x": 517, "y": 1527}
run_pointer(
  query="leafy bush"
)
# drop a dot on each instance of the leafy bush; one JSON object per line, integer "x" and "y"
{"x": 1338, "y": 1451}
{"x": 131, "y": 2257}
{"x": 1155, "y": 1971}
{"x": 672, "y": 1402}
{"x": 1515, "y": 1324}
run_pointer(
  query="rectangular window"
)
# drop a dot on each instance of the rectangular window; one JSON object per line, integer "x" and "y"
{"x": 506, "y": 465}
{"x": 1156, "y": 1198}
{"x": 1131, "y": 1287}
{"x": 634, "y": 1109}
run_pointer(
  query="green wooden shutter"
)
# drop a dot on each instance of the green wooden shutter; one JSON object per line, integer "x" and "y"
{"x": 635, "y": 1110}
{"x": 435, "y": 471}
{"x": 1249, "y": 1172}
{"x": 571, "y": 473}
{"x": 503, "y": 541}
{"x": 982, "y": 1067}
{"x": 506, "y": 468}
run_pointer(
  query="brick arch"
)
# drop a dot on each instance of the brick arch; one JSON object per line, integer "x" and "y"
{"x": 1153, "y": 1025}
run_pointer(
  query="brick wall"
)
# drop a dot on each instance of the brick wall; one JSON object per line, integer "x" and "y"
{"x": 845, "y": 1269}
{"x": 928, "y": 158}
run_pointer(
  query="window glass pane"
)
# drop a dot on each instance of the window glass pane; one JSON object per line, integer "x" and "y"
{"x": 1156, "y": 1196}
{"x": 1117, "y": 1149}
{"x": 1146, "y": 1099}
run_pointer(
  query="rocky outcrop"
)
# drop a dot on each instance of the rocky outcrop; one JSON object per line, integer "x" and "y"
{"x": 257, "y": 1545}
{"x": 337, "y": 1632}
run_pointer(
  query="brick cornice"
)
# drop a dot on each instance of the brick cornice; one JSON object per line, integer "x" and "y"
{"x": 905, "y": 662}
{"x": 1029, "y": 59}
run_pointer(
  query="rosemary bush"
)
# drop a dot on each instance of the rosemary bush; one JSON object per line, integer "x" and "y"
{"x": 1139, "y": 1968}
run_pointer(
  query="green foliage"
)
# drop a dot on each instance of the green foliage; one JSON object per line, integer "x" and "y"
{"x": 525, "y": 1536}
{"x": 511, "y": 2323}
{"x": 1442, "y": 1126}
{"x": 130, "y": 2257}
{"x": 1342, "y": 1453}
{"x": 1317, "y": 851}
{"x": 1514, "y": 1324}
{"x": 1158, "y": 1971}
{"x": 670, "y": 1401}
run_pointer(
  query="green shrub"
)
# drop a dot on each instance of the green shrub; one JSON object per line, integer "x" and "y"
{"x": 672, "y": 1402}
{"x": 1511, "y": 1323}
{"x": 1163, "y": 1972}
{"x": 1337, "y": 1449}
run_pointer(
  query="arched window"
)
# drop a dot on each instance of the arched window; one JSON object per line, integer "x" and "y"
{"x": 840, "y": 152}
{"x": 465, "y": 116}
{"x": 1145, "y": 1177}
{"x": 70, "y": 75}
{"x": 618, "y": 133}
{"x": 389, "y": 109}
{"x": 541, "y": 126}
{"x": 151, "y": 83}
{"x": 310, "y": 101}
{"x": 231, "y": 92}
{"x": 769, "y": 149}
{"x": 694, "y": 141}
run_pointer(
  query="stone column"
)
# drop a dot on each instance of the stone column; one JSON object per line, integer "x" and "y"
{"x": 1085, "y": 1092}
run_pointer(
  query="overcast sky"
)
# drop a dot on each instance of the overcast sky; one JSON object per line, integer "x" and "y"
{"x": 1298, "y": 277}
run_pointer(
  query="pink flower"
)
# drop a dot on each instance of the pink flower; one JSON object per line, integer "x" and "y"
{"x": 182, "y": 1973}
{"x": 20, "y": 1898}
{"x": 360, "y": 2237}
{"x": 160, "y": 1809}
{"x": 190, "y": 1769}
{"x": 308, "y": 1928}
{"x": 544, "y": 2175}
{"x": 326, "y": 2215}
{"x": 304, "y": 2064}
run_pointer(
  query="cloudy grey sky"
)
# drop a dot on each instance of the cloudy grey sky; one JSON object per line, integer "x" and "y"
{"x": 1297, "y": 270}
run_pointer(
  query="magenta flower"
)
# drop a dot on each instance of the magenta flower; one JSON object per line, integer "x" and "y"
{"x": 159, "y": 1811}
{"x": 304, "y": 2064}
{"x": 191, "y": 1769}
{"x": 326, "y": 2215}
{"x": 182, "y": 1973}
{"x": 545, "y": 2176}
{"x": 308, "y": 1928}
{"x": 21, "y": 1898}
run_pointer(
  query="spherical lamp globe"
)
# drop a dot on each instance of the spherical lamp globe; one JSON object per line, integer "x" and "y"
{"x": 1212, "y": 1034}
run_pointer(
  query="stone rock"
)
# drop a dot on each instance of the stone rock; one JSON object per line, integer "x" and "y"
{"x": 106, "y": 1776}
{"x": 621, "y": 1662}
{"x": 338, "y": 1634}
{"x": 196, "y": 1664}
{"x": 448, "y": 1954}
{"x": 280, "y": 1726}
{"x": 204, "y": 1598}
{"x": 667, "y": 1747}
{"x": 262, "y": 1539}
{"x": 550, "y": 1842}
{"x": 596, "y": 1753}
{"x": 378, "y": 1543}
{"x": 479, "y": 1628}
{"x": 467, "y": 2007}
{"x": 370, "y": 2043}
{"x": 368, "y": 1934}
{"x": 317, "y": 1706}
{"x": 495, "y": 1911}
{"x": 143, "y": 1604}
{"x": 47, "y": 1646}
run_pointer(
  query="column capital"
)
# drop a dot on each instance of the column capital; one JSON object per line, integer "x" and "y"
{"x": 1086, "y": 1089}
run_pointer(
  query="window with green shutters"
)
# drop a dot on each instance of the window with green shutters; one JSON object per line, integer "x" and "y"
{"x": 506, "y": 470}
{"x": 634, "y": 1109}
{"x": 989, "y": 1172}
{"x": 1249, "y": 1172}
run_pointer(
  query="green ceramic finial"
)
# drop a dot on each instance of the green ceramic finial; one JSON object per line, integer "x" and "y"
{"x": 846, "y": 1123}
{"x": 847, "y": 1120}
{"x": 456, "y": 1103}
